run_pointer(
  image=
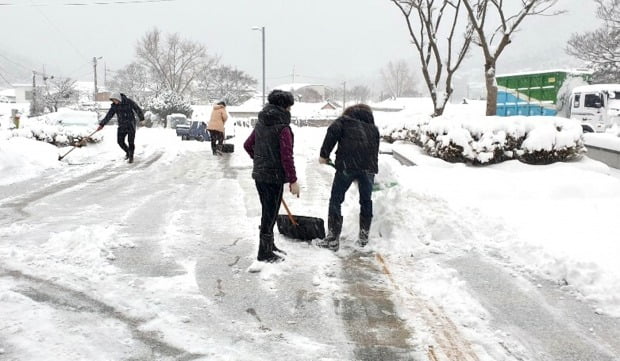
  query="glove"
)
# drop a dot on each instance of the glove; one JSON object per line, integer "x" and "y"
{"x": 294, "y": 188}
{"x": 99, "y": 127}
{"x": 323, "y": 160}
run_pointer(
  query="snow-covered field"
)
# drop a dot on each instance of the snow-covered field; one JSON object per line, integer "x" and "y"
{"x": 555, "y": 222}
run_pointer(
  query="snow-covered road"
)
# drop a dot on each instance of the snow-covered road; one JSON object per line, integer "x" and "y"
{"x": 149, "y": 261}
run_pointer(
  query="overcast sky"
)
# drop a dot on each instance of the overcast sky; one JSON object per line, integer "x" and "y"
{"x": 325, "y": 41}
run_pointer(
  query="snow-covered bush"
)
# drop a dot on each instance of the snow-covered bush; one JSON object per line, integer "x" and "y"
{"x": 62, "y": 128}
{"x": 487, "y": 140}
{"x": 57, "y": 135}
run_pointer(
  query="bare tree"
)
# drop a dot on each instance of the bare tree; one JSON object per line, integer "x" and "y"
{"x": 174, "y": 62}
{"x": 431, "y": 36}
{"x": 398, "y": 80}
{"x": 484, "y": 14}
{"x": 601, "y": 47}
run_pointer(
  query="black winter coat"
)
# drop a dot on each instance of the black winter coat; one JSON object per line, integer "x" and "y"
{"x": 267, "y": 160}
{"x": 358, "y": 144}
{"x": 124, "y": 112}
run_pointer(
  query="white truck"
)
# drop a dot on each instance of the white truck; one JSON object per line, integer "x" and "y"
{"x": 596, "y": 106}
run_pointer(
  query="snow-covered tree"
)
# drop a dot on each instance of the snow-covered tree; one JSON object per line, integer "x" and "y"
{"x": 166, "y": 103}
{"x": 225, "y": 83}
{"x": 601, "y": 48}
{"x": 133, "y": 79}
{"x": 441, "y": 37}
{"x": 60, "y": 92}
{"x": 360, "y": 93}
{"x": 494, "y": 23}
{"x": 174, "y": 63}
{"x": 398, "y": 79}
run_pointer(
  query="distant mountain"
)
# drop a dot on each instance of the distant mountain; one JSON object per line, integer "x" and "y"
{"x": 14, "y": 68}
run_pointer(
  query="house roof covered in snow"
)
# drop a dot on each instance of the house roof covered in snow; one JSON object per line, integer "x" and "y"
{"x": 597, "y": 88}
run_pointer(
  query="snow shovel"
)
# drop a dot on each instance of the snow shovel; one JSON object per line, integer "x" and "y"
{"x": 75, "y": 146}
{"x": 300, "y": 227}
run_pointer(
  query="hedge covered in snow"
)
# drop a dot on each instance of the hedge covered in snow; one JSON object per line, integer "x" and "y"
{"x": 485, "y": 140}
{"x": 60, "y": 129}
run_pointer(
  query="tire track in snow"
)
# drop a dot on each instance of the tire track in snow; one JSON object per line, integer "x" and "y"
{"x": 451, "y": 345}
{"x": 60, "y": 297}
{"x": 18, "y": 204}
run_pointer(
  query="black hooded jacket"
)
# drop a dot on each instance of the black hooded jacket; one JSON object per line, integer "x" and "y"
{"x": 358, "y": 144}
{"x": 124, "y": 112}
{"x": 266, "y": 151}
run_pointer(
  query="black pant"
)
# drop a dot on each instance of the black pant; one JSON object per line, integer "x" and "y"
{"x": 217, "y": 140}
{"x": 270, "y": 195}
{"x": 130, "y": 133}
{"x": 342, "y": 182}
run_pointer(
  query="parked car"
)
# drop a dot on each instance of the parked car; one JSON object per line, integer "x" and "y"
{"x": 193, "y": 130}
{"x": 175, "y": 119}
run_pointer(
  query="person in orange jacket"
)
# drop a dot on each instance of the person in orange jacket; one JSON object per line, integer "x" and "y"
{"x": 216, "y": 127}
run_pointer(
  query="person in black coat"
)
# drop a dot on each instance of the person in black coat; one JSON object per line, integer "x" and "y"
{"x": 357, "y": 159}
{"x": 270, "y": 145}
{"x": 124, "y": 109}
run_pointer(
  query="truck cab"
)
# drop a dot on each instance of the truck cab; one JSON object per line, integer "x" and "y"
{"x": 597, "y": 107}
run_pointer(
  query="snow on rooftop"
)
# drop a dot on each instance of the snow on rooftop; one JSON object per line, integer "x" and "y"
{"x": 597, "y": 87}
{"x": 294, "y": 86}
{"x": 7, "y": 92}
{"x": 546, "y": 71}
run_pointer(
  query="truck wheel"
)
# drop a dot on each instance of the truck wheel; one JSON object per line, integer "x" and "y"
{"x": 200, "y": 138}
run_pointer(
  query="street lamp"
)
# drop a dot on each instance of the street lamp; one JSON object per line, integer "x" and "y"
{"x": 95, "y": 71}
{"x": 262, "y": 30}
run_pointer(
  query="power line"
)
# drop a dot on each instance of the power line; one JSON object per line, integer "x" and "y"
{"x": 58, "y": 30}
{"x": 98, "y": 3}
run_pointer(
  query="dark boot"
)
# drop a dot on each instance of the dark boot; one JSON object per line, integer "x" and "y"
{"x": 275, "y": 249}
{"x": 364, "y": 230}
{"x": 332, "y": 241}
{"x": 265, "y": 249}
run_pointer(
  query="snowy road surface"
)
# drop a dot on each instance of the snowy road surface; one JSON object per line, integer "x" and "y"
{"x": 149, "y": 261}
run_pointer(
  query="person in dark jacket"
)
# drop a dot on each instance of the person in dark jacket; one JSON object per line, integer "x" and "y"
{"x": 124, "y": 109}
{"x": 356, "y": 160}
{"x": 270, "y": 145}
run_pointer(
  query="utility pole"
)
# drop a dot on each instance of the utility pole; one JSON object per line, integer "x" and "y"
{"x": 95, "y": 72}
{"x": 262, "y": 31}
{"x": 33, "y": 103}
{"x": 263, "y": 36}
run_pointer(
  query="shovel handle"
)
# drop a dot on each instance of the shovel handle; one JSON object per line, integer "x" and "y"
{"x": 288, "y": 212}
{"x": 70, "y": 150}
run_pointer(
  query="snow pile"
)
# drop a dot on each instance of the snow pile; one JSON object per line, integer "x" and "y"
{"x": 22, "y": 158}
